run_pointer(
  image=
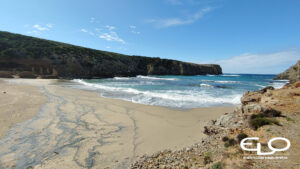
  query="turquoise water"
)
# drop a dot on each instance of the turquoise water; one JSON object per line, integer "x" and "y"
{"x": 181, "y": 91}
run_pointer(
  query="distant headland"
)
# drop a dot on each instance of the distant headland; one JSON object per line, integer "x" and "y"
{"x": 29, "y": 57}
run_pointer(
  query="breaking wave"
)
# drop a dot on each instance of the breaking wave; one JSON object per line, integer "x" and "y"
{"x": 180, "y": 91}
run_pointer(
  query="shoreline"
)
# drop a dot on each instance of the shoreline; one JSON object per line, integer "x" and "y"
{"x": 85, "y": 130}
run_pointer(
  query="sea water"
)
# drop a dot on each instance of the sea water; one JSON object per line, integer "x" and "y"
{"x": 181, "y": 91}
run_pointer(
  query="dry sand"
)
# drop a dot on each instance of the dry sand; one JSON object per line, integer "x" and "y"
{"x": 17, "y": 104}
{"x": 70, "y": 128}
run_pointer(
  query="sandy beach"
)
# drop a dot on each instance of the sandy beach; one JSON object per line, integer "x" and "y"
{"x": 46, "y": 125}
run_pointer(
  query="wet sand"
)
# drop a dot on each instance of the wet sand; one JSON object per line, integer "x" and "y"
{"x": 71, "y": 128}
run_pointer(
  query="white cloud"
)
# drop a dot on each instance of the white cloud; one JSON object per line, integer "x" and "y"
{"x": 87, "y": 31}
{"x": 108, "y": 34}
{"x": 110, "y": 27}
{"x": 132, "y": 26}
{"x": 135, "y": 32}
{"x": 34, "y": 32}
{"x": 49, "y": 25}
{"x": 270, "y": 63}
{"x": 84, "y": 30}
{"x": 40, "y": 28}
{"x": 97, "y": 29}
{"x": 112, "y": 36}
{"x": 92, "y": 19}
{"x": 179, "y": 21}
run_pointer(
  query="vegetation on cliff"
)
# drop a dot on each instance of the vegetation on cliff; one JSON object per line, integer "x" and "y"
{"x": 46, "y": 59}
{"x": 292, "y": 74}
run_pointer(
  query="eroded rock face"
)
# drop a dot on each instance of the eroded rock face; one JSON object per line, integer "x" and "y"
{"x": 46, "y": 59}
{"x": 250, "y": 97}
{"x": 292, "y": 74}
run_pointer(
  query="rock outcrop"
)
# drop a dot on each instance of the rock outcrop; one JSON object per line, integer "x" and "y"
{"x": 23, "y": 55}
{"x": 265, "y": 114}
{"x": 292, "y": 74}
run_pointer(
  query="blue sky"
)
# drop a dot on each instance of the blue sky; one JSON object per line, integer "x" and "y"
{"x": 244, "y": 36}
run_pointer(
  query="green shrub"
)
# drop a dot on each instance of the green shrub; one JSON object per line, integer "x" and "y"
{"x": 218, "y": 165}
{"x": 267, "y": 113}
{"x": 207, "y": 158}
{"x": 289, "y": 119}
{"x": 272, "y": 113}
{"x": 226, "y": 144}
{"x": 230, "y": 142}
{"x": 260, "y": 115}
{"x": 241, "y": 136}
{"x": 225, "y": 138}
{"x": 260, "y": 121}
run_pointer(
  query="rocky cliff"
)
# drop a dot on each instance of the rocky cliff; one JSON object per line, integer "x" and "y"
{"x": 292, "y": 74}
{"x": 26, "y": 56}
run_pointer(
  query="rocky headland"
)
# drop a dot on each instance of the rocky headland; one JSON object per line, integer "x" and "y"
{"x": 265, "y": 114}
{"x": 29, "y": 57}
{"x": 292, "y": 74}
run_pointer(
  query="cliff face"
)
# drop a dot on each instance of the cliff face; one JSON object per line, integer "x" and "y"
{"x": 292, "y": 74}
{"x": 30, "y": 57}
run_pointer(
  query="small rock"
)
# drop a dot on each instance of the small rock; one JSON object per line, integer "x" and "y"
{"x": 297, "y": 84}
{"x": 4, "y": 92}
{"x": 264, "y": 90}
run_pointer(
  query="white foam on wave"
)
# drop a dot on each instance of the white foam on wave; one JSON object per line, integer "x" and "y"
{"x": 122, "y": 78}
{"x": 173, "y": 99}
{"x": 261, "y": 86}
{"x": 281, "y": 80}
{"x": 154, "y": 78}
{"x": 224, "y": 81}
{"x": 107, "y": 88}
{"x": 220, "y": 81}
{"x": 278, "y": 85}
{"x": 205, "y": 85}
{"x": 207, "y": 80}
{"x": 169, "y": 98}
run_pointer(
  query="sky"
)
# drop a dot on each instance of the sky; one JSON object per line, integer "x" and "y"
{"x": 243, "y": 36}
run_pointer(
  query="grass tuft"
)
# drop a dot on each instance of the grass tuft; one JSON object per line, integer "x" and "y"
{"x": 218, "y": 165}
{"x": 259, "y": 120}
{"x": 207, "y": 158}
